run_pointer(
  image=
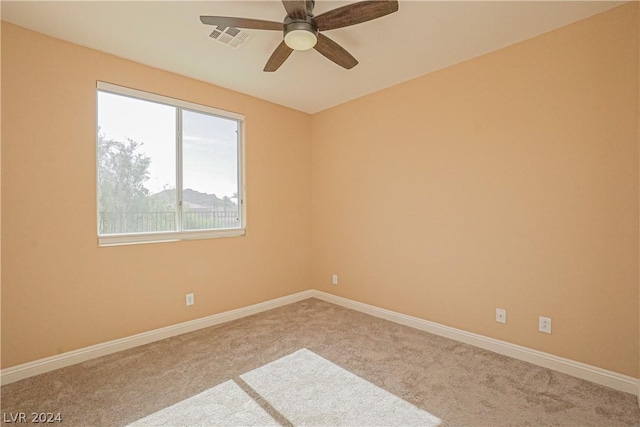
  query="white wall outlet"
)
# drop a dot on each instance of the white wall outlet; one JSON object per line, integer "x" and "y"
{"x": 501, "y": 315}
{"x": 190, "y": 299}
{"x": 544, "y": 325}
{"x": 334, "y": 279}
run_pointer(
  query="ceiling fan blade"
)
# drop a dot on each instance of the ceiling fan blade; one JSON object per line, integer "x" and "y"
{"x": 355, "y": 13}
{"x": 278, "y": 57}
{"x": 335, "y": 52}
{"x": 295, "y": 8}
{"x": 254, "y": 24}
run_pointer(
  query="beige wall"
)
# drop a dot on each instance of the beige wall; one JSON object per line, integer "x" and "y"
{"x": 509, "y": 181}
{"x": 60, "y": 291}
{"x": 0, "y": 192}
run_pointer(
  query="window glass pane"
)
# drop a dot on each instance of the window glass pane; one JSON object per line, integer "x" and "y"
{"x": 136, "y": 165}
{"x": 210, "y": 172}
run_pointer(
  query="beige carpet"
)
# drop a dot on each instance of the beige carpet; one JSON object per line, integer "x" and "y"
{"x": 223, "y": 405}
{"x": 244, "y": 372}
{"x": 307, "y": 389}
{"x": 304, "y": 389}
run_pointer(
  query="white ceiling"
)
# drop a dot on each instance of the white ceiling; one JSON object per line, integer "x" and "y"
{"x": 423, "y": 36}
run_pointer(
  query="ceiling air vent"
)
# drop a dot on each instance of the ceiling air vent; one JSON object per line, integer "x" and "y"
{"x": 231, "y": 36}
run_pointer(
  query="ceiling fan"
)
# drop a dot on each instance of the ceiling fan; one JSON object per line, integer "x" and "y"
{"x": 302, "y": 29}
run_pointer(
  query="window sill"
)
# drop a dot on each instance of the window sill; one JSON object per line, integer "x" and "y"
{"x": 174, "y": 236}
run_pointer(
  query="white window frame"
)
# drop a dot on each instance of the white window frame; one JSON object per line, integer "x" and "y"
{"x": 172, "y": 236}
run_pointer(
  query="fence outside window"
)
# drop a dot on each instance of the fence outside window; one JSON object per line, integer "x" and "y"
{"x": 149, "y": 222}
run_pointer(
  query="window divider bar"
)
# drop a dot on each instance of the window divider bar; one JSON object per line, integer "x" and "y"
{"x": 179, "y": 183}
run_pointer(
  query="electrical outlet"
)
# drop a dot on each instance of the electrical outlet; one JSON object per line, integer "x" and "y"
{"x": 501, "y": 315}
{"x": 544, "y": 325}
{"x": 190, "y": 299}
{"x": 334, "y": 279}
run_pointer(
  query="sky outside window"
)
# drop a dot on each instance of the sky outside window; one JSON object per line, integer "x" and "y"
{"x": 150, "y": 123}
{"x": 209, "y": 154}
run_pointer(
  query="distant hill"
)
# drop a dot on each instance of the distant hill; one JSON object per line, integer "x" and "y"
{"x": 195, "y": 200}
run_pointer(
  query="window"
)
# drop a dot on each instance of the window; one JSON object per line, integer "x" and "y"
{"x": 166, "y": 169}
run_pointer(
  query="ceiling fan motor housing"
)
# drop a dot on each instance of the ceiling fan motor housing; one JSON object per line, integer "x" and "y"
{"x": 300, "y": 29}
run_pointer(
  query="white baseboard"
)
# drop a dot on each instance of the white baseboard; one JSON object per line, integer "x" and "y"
{"x": 566, "y": 366}
{"x": 26, "y": 370}
{"x": 577, "y": 369}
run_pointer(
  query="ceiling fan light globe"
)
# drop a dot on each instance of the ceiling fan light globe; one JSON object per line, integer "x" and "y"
{"x": 300, "y": 39}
